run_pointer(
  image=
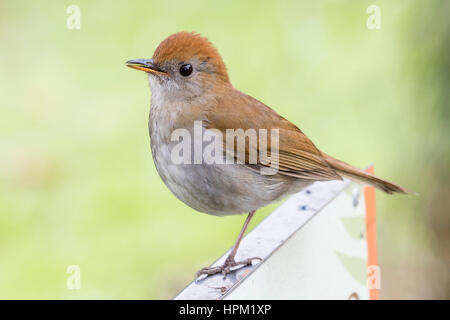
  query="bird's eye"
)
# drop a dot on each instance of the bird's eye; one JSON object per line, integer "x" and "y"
{"x": 186, "y": 69}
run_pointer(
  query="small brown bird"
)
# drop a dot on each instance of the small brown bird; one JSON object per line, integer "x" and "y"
{"x": 190, "y": 85}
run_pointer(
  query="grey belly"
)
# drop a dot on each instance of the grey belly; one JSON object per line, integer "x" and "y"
{"x": 222, "y": 189}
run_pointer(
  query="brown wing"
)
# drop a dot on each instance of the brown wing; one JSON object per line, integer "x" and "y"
{"x": 298, "y": 156}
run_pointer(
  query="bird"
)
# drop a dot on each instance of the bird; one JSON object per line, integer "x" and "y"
{"x": 191, "y": 90}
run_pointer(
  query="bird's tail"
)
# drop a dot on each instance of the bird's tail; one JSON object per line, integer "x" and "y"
{"x": 358, "y": 175}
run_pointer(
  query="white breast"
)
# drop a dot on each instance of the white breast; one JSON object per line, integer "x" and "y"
{"x": 218, "y": 189}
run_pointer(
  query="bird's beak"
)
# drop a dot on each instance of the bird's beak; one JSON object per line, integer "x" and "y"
{"x": 147, "y": 65}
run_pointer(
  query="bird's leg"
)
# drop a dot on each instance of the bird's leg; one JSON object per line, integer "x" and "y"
{"x": 232, "y": 255}
{"x": 230, "y": 262}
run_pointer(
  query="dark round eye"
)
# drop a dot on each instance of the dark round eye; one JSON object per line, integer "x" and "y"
{"x": 186, "y": 69}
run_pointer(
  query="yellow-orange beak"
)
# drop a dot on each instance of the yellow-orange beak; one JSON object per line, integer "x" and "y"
{"x": 147, "y": 65}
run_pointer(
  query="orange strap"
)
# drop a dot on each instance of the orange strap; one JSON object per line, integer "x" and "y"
{"x": 371, "y": 231}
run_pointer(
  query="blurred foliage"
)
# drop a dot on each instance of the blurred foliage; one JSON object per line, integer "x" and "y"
{"x": 77, "y": 182}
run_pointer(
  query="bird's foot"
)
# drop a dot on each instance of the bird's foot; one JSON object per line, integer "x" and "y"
{"x": 226, "y": 268}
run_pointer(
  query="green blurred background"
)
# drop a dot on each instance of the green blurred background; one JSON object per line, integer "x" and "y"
{"x": 77, "y": 181}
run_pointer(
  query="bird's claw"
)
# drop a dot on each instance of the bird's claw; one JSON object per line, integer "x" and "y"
{"x": 226, "y": 268}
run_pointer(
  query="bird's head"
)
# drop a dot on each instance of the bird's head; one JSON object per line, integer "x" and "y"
{"x": 184, "y": 65}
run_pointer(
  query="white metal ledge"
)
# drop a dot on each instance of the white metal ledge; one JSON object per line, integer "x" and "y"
{"x": 326, "y": 259}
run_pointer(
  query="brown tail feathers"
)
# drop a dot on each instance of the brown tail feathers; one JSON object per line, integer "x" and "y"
{"x": 358, "y": 175}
